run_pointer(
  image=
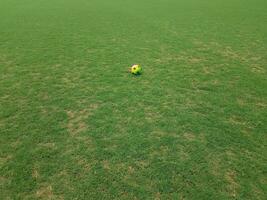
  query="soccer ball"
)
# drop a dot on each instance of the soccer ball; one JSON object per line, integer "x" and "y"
{"x": 136, "y": 69}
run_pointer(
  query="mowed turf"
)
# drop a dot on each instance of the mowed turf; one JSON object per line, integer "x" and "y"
{"x": 74, "y": 124}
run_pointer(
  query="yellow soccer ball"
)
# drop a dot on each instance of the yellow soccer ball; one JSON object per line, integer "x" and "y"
{"x": 136, "y": 69}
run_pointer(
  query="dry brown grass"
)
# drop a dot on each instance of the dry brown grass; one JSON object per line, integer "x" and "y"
{"x": 233, "y": 186}
{"x": 35, "y": 173}
{"x": 77, "y": 120}
{"x": 45, "y": 192}
{"x": 49, "y": 145}
{"x": 189, "y": 136}
{"x": 5, "y": 159}
{"x": 106, "y": 165}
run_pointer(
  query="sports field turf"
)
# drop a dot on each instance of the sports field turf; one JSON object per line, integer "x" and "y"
{"x": 74, "y": 124}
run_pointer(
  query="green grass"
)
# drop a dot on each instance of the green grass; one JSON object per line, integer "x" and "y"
{"x": 75, "y": 125}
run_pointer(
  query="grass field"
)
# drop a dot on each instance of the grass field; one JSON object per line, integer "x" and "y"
{"x": 75, "y": 125}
